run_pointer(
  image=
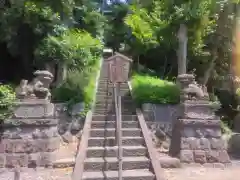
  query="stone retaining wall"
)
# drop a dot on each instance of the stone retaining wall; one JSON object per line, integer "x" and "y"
{"x": 30, "y": 138}
{"x": 160, "y": 116}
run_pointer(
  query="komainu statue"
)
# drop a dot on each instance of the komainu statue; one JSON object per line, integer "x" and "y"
{"x": 191, "y": 90}
{"x": 38, "y": 88}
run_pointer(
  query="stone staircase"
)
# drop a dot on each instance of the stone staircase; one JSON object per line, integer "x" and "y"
{"x": 101, "y": 156}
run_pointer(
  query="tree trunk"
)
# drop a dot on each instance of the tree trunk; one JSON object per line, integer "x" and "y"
{"x": 207, "y": 74}
{"x": 61, "y": 73}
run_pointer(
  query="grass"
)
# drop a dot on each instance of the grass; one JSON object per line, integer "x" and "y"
{"x": 148, "y": 89}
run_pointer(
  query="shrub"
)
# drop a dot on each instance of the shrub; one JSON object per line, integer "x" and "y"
{"x": 7, "y": 98}
{"x": 147, "y": 89}
{"x": 74, "y": 48}
{"x": 78, "y": 87}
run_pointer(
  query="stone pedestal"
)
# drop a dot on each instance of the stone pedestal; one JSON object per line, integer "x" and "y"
{"x": 30, "y": 138}
{"x": 196, "y": 135}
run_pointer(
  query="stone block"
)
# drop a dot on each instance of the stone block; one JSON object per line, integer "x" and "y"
{"x": 2, "y": 147}
{"x": 196, "y": 110}
{"x": 2, "y": 160}
{"x": 234, "y": 144}
{"x": 200, "y": 156}
{"x": 41, "y": 159}
{"x": 217, "y": 156}
{"x": 204, "y": 144}
{"x": 186, "y": 156}
{"x": 34, "y": 109}
{"x": 194, "y": 143}
{"x": 188, "y": 132}
{"x": 223, "y": 157}
{"x": 31, "y": 146}
{"x": 15, "y": 145}
{"x": 46, "y": 145}
{"x": 46, "y": 159}
{"x": 15, "y": 160}
{"x": 185, "y": 144}
{"x": 6, "y": 175}
{"x": 16, "y": 122}
{"x": 217, "y": 144}
{"x": 169, "y": 162}
{"x": 212, "y": 132}
{"x": 45, "y": 133}
{"x": 212, "y": 156}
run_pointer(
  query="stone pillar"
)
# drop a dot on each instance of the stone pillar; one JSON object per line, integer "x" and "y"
{"x": 196, "y": 136}
{"x": 30, "y": 138}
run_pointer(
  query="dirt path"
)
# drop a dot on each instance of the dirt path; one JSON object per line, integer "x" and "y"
{"x": 201, "y": 173}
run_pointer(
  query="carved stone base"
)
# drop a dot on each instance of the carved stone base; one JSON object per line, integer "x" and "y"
{"x": 30, "y": 138}
{"x": 33, "y": 109}
{"x": 198, "y": 141}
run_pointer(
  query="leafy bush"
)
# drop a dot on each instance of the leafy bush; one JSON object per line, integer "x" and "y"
{"x": 74, "y": 48}
{"x": 78, "y": 87}
{"x": 147, "y": 89}
{"x": 7, "y": 98}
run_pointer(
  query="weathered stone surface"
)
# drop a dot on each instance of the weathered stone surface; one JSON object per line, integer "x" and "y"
{"x": 217, "y": 144}
{"x": 200, "y": 156}
{"x": 186, "y": 156}
{"x": 45, "y": 133}
{"x": 234, "y": 144}
{"x": 30, "y": 132}
{"x": 185, "y": 144}
{"x": 197, "y": 132}
{"x": 197, "y": 110}
{"x": 204, "y": 144}
{"x": 212, "y": 156}
{"x": 2, "y": 160}
{"x": 42, "y": 159}
{"x": 34, "y": 110}
{"x": 6, "y": 175}
{"x": 223, "y": 157}
{"x": 50, "y": 145}
{"x": 15, "y": 160}
{"x": 15, "y": 146}
{"x": 169, "y": 162}
{"x": 2, "y": 149}
{"x": 191, "y": 143}
{"x": 30, "y": 122}
{"x": 217, "y": 156}
{"x": 188, "y": 132}
{"x": 31, "y": 146}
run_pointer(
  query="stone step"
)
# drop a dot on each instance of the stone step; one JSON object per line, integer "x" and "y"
{"x": 110, "y": 141}
{"x": 113, "y": 151}
{"x": 105, "y": 112}
{"x": 112, "y": 117}
{"x": 107, "y": 81}
{"x": 110, "y": 89}
{"x": 112, "y": 109}
{"x": 105, "y": 97}
{"x": 110, "y": 102}
{"x": 112, "y": 124}
{"x": 111, "y": 163}
{"x": 136, "y": 174}
{"x": 112, "y": 105}
{"x": 132, "y": 132}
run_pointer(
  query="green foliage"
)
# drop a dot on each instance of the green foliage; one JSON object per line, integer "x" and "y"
{"x": 74, "y": 48}
{"x": 116, "y": 31}
{"x": 142, "y": 29}
{"x": 7, "y": 98}
{"x": 147, "y": 89}
{"x": 38, "y": 19}
{"x": 78, "y": 87}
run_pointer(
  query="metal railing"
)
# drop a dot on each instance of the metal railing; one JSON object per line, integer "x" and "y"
{"x": 118, "y": 111}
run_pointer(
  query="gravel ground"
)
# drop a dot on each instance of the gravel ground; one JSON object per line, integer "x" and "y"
{"x": 39, "y": 174}
{"x": 201, "y": 173}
